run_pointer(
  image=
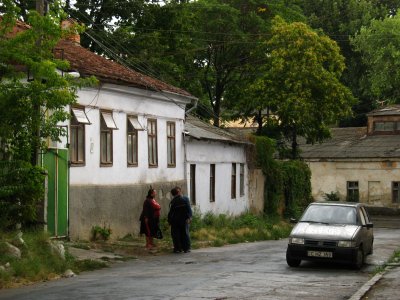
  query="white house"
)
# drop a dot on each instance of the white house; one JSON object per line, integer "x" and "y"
{"x": 217, "y": 169}
{"x": 125, "y": 136}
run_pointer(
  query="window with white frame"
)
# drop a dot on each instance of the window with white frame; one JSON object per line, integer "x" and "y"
{"x": 132, "y": 140}
{"x": 107, "y": 125}
{"x": 77, "y": 136}
{"x": 171, "y": 144}
{"x": 152, "y": 142}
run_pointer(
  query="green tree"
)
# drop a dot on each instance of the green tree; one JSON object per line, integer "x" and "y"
{"x": 24, "y": 7}
{"x": 33, "y": 100}
{"x": 341, "y": 20}
{"x": 99, "y": 18}
{"x": 303, "y": 82}
{"x": 379, "y": 45}
{"x": 174, "y": 43}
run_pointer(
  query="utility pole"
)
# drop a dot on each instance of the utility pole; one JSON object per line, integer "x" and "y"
{"x": 40, "y": 7}
{"x": 36, "y": 106}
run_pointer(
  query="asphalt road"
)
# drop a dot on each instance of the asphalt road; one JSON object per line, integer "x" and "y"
{"x": 243, "y": 271}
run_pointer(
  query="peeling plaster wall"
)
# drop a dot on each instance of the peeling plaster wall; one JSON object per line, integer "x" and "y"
{"x": 374, "y": 180}
{"x": 117, "y": 207}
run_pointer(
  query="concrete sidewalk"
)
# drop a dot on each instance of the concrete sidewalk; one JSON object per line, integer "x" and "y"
{"x": 82, "y": 254}
{"x": 382, "y": 286}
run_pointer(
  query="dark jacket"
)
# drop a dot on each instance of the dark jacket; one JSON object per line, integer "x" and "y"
{"x": 179, "y": 211}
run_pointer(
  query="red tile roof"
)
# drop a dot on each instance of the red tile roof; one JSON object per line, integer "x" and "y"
{"x": 88, "y": 63}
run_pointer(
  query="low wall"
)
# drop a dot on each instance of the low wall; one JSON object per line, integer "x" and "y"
{"x": 117, "y": 207}
{"x": 383, "y": 211}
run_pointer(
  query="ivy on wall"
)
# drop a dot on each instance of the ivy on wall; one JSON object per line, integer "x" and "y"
{"x": 296, "y": 186}
{"x": 287, "y": 183}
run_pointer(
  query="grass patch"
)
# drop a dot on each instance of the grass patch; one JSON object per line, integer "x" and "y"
{"x": 39, "y": 261}
{"x": 394, "y": 258}
{"x": 87, "y": 265}
{"x": 219, "y": 230}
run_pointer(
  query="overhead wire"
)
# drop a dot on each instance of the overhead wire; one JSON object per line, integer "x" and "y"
{"x": 126, "y": 64}
{"x": 123, "y": 62}
{"x": 138, "y": 67}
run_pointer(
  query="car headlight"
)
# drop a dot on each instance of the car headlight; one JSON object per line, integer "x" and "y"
{"x": 347, "y": 244}
{"x": 295, "y": 240}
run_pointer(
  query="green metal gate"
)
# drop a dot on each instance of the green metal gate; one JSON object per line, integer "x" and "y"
{"x": 55, "y": 161}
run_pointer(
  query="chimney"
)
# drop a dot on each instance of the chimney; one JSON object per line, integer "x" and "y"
{"x": 72, "y": 34}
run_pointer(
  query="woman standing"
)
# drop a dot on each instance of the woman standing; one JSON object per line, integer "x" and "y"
{"x": 150, "y": 218}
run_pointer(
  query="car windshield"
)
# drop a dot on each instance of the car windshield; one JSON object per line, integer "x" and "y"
{"x": 330, "y": 214}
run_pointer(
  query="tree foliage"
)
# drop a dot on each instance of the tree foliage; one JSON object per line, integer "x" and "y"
{"x": 207, "y": 47}
{"x": 287, "y": 186}
{"x": 302, "y": 82}
{"x": 379, "y": 45}
{"x": 33, "y": 100}
{"x": 341, "y": 20}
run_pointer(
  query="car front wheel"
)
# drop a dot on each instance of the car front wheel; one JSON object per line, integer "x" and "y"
{"x": 359, "y": 262}
{"x": 292, "y": 262}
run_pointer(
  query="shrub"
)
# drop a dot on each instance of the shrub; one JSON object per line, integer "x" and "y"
{"x": 101, "y": 233}
{"x": 21, "y": 189}
{"x": 332, "y": 196}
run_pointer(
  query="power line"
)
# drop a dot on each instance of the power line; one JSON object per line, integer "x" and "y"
{"x": 138, "y": 67}
{"x": 126, "y": 64}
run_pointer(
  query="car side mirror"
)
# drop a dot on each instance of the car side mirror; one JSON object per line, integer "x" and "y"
{"x": 293, "y": 220}
{"x": 369, "y": 225}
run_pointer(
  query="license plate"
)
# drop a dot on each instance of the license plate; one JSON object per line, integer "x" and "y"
{"x": 319, "y": 254}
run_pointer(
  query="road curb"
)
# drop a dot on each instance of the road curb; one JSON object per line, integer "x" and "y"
{"x": 366, "y": 287}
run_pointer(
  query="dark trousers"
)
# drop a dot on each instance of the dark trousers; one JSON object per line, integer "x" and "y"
{"x": 180, "y": 236}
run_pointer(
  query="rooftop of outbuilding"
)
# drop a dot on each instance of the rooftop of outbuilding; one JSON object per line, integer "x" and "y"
{"x": 353, "y": 143}
{"x": 202, "y": 130}
{"x": 391, "y": 110}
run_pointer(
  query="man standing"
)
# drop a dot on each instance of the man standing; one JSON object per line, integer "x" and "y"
{"x": 179, "y": 217}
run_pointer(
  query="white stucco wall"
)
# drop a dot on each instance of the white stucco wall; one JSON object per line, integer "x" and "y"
{"x": 125, "y": 101}
{"x": 374, "y": 180}
{"x": 204, "y": 153}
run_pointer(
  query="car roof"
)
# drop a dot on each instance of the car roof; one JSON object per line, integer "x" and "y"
{"x": 337, "y": 203}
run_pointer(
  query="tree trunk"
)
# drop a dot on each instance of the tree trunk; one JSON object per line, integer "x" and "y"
{"x": 259, "y": 121}
{"x": 294, "y": 143}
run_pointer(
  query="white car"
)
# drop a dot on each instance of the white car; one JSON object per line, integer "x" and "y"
{"x": 331, "y": 231}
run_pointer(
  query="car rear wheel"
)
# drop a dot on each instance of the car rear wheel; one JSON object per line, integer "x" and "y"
{"x": 292, "y": 262}
{"x": 359, "y": 262}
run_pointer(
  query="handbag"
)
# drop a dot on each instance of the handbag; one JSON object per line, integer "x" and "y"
{"x": 159, "y": 234}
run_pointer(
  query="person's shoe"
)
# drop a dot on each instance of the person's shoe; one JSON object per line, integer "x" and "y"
{"x": 186, "y": 251}
{"x": 177, "y": 251}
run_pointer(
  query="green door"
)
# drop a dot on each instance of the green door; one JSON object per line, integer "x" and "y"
{"x": 55, "y": 161}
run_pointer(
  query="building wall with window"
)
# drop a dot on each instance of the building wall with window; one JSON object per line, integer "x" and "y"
{"x": 211, "y": 163}
{"x": 108, "y": 184}
{"x": 376, "y": 181}
{"x": 360, "y": 163}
